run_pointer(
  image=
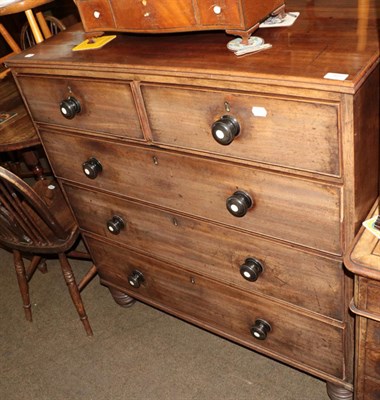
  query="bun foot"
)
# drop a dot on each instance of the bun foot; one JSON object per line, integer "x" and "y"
{"x": 336, "y": 392}
{"x": 121, "y": 298}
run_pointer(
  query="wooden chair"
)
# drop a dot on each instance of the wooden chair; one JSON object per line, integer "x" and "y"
{"x": 38, "y": 26}
{"x": 38, "y": 221}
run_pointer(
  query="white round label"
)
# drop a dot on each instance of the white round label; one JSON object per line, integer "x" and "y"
{"x": 219, "y": 134}
{"x": 217, "y": 9}
{"x": 234, "y": 208}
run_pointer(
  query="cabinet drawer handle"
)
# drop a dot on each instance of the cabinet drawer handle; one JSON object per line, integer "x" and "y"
{"x": 92, "y": 168}
{"x": 70, "y": 107}
{"x": 136, "y": 278}
{"x": 225, "y": 129}
{"x": 251, "y": 269}
{"x": 239, "y": 203}
{"x": 115, "y": 225}
{"x": 261, "y": 329}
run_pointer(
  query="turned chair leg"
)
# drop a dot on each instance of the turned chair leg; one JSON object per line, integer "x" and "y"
{"x": 22, "y": 283}
{"x": 74, "y": 292}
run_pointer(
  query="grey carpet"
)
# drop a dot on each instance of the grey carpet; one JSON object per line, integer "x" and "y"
{"x": 137, "y": 353}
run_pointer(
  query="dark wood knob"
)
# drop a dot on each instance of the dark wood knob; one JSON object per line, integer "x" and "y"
{"x": 239, "y": 203}
{"x": 115, "y": 224}
{"x": 92, "y": 168}
{"x": 136, "y": 279}
{"x": 225, "y": 129}
{"x": 261, "y": 329}
{"x": 70, "y": 107}
{"x": 251, "y": 269}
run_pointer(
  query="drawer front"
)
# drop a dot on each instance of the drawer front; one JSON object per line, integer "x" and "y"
{"x": 201, "y": 187}
{"x": 105, "y": 106}
{"x": 290, "y": 133}
{"x": 223, "y": 309}
{"x": 96, "y": 14}
{"x": 215, "y": 251}
{"x": 225, "y": 13}
{"x": 369, "y": 295}
{"x": 153, "y": 15}
{"x": 372, "y": 353}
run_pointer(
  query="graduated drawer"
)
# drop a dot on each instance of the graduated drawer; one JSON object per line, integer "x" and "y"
{"x": 294, "y": 133}
{"x": 105, "y": 106}
{"x": 295, "y": 337}
{"x": 291, "y": 209}
{"x": 297, "y": 277}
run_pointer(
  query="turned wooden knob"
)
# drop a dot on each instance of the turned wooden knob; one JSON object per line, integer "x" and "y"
{"x": 70, "y": 107}
{"x": 225, "y": 129}
{"x": 92, "y": 168}
{"x": 239, "y": 203}
{"x": 115, "y": 225}
{"x": 136, "y": 278}
{"x": 261, "y": 329}
{"x": 251, "y": 269}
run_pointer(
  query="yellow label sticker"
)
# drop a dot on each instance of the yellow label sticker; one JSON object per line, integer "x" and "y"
{"x": 94, "y": 43}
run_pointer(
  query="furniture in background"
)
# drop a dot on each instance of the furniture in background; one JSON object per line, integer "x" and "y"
{"x": 18, "y": 134}
{"x": 18, "y": 138}
{"x": 223, "y": 190}
{"x": 37, "y": 22}
{"x": 38, "y": 221}
{"x": 363, "y": 260}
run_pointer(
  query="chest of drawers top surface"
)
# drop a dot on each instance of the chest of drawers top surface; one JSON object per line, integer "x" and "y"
{"x": 325, "y": 38}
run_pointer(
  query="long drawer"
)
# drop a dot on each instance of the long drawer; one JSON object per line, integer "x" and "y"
{"x": 294, "y": 133}
{"x": 116, "y": 116}
{"x": 214, "y": 251}
{"x": 296, "y": 337}
{"x": 296, "y": 210}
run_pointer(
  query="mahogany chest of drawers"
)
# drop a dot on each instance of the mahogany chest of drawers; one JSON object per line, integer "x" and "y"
{"x": 222, "y": 190}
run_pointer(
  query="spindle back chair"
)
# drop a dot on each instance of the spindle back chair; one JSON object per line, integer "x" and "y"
{"x": 37, "y": 220}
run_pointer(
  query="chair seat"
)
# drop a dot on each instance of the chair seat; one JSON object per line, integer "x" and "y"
{"x": 51, "y": 194}
{"x": 15, "y": 6}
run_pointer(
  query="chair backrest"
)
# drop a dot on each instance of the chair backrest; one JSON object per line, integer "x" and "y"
{"x": 12, "y": 44}
{"x": 26, "y": 222}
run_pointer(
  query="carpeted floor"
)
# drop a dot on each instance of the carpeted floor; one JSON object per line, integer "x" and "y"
{"x": 136, "y": 354}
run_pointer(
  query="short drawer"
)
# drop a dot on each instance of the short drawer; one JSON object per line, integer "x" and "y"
{"x": 291, "y": 133}
{"x": 153, "y": 15}
{"x": 369, "y": 295}
{"x": 201, "y": 187}
{"x": 294, "y": 337}
{"x": 105, "y": 106}
{"x": 96, "y": 15}
{"x": 301, "y": 278}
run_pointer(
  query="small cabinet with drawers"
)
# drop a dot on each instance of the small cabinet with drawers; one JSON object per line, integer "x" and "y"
{"x": 240, "y": 17}
{"x": 363, "y": 260}
{"x": 222, "y": 190}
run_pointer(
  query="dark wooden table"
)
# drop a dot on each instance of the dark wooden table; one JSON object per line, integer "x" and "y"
{"x": 18, "y": 133}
